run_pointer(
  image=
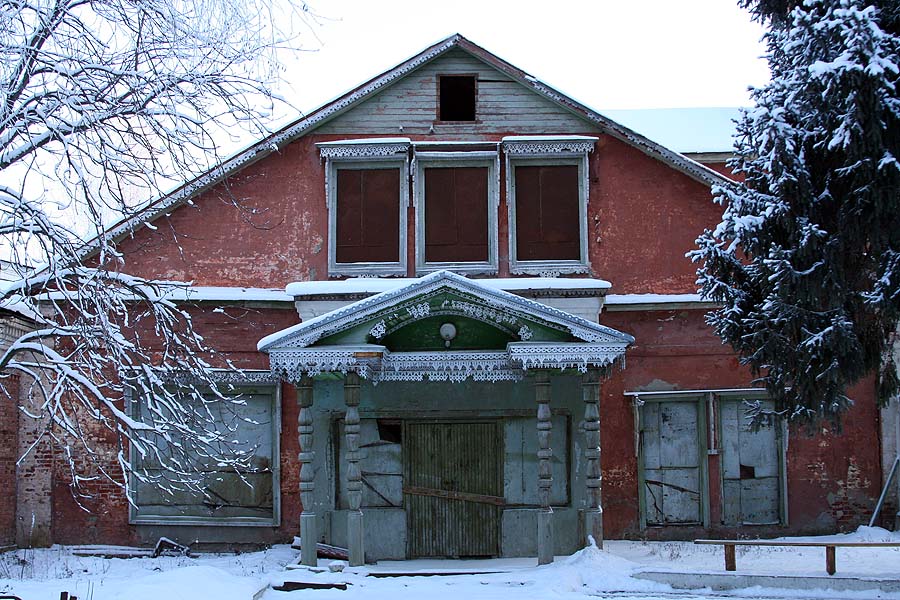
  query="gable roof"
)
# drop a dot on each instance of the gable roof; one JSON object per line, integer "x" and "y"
{"x": 309, "y": 332}
{"x": 326, "y": 112}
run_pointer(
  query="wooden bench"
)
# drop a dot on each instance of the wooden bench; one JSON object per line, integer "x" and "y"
{"x": 830, "y": 565}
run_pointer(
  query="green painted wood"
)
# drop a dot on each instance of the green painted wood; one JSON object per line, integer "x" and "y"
{"x": 502, "y": 105}
{"x": 452, "y": 457}
{"x": 480, "y": 324}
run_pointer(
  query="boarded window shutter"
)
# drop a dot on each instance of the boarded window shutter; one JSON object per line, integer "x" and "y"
{"x": 368, "y": 215}
{"x": 547, "y": 213}
{"x": 456, "y": 217}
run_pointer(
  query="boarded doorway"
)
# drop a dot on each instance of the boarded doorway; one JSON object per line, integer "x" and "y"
{"x": 751, "y": 466}
{"x": 673, "y": 478}
{"x": 452, "y": 486}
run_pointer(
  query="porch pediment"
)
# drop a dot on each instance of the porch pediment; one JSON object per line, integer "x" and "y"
{"x": 443, "y": 326}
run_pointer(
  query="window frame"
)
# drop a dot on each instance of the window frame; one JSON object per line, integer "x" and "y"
{"x": 702, "y": 455}
{"x": 439, "y": 120}
{"x": 227, "y": 381}
{"x": 365, "y": 154}
{"x": 477, "y": 159}
{"x": 780, "y": 428}
{"x": 539, "y": 151}
{"x": 710, "y": 432}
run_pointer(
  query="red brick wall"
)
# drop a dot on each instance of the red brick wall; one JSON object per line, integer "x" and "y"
{"x": 643, "y": 217}
{"x": 833, "y": 478}
{"x": 9, "y": 444}
{"x": 100, "y": 515}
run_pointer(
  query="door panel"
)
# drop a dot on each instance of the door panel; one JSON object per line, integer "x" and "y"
{"x": 451, "y": 481}
{"x": 671, "y": 462}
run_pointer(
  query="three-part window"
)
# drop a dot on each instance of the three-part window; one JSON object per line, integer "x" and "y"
{"x": 455, "y": 189}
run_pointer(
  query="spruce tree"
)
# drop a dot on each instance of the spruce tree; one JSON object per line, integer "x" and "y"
{"x": 806, "y": 260}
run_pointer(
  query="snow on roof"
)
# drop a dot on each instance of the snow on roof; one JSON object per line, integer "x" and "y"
{"x": 683, "y": 129}
{"x": 21, "y": 309}
{"x": 372, "y": 304}
{"x": 620, "y": 299}
{"x": 227, "y": 294}
{"x": 371, "y": 285}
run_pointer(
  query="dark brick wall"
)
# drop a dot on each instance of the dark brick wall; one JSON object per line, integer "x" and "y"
{"x": 9, "y": 435}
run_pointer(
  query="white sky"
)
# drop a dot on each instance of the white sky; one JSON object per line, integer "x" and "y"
{"x": 605, "y": 53}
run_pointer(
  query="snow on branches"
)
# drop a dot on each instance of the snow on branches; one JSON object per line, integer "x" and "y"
{"x": 103, "y": 106}
{"x": 805, "y": 260}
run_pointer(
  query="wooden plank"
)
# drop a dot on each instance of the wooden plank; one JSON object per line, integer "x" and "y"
{"x": 830, "y": 566}
{"x": 823, "y": 544}
{"x": 452, "y": 495}
{"x": 730, "y": 561}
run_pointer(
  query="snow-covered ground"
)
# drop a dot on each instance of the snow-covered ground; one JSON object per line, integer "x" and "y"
{"x": 43, "y": 574}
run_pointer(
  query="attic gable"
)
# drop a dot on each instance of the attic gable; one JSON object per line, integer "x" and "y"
{"x": 331, "y": 112}
{"x": 412, "y": 105}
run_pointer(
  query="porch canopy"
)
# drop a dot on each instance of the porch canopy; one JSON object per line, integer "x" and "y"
{"x": 444, "y": 327}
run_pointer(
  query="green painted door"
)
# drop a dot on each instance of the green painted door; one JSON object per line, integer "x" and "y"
{"x": 452, "y": 486}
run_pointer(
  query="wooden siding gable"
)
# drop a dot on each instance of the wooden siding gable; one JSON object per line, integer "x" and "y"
{"x": 409, "y": 106}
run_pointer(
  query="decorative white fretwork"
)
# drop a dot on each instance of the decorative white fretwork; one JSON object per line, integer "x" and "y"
{"x": 419, "y": 311}
{"x": 482, "y": 313}
{"x": 358, "y": 150}
{"x": 525, "y": 333}
{"x": 292, "y": 364}
{"x": 378, "y": 330}
{"x": 448, "y": 366}
{"x": 548, "y": 146}
{"x": 548, "y": 355}
{"x": 508, "y": 306}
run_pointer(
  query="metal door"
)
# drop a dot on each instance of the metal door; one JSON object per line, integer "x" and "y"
{"x": 452, "y": 489}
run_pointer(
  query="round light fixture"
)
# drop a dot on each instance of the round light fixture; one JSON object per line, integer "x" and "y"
{"x": 448, "y": 333}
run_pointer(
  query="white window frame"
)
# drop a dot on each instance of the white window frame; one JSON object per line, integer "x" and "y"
{"x": 365, "y": 154}
{"x": 535, "y": 151}
{"x": 432, "y": 160}
{"x": 226, "y": 381}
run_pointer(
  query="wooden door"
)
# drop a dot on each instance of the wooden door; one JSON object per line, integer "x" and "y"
{"x": 452, "y": 489}
{"x": 671, "y": 460}
{"x": 751, "y": 467}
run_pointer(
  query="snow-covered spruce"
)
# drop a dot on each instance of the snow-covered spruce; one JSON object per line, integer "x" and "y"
{"x": 806, "y": 260}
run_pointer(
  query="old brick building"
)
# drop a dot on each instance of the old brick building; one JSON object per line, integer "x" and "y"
{"x": 488, "y": 275}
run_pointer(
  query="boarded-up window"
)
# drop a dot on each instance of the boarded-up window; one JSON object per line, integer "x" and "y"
{"x": 223, "y": 494}
{"x": 751, "y": 468}
{"x": 368, "y": 215}
{"x": 671, "y": 457}
{"x": 380, "y": 441}
{"x": 456, "y": 214}
{"x": 547, "y": 213}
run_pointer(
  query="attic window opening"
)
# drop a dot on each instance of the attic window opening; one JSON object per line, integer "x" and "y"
{"x": 457, "y": 97}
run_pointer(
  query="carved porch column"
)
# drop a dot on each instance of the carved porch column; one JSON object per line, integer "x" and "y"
{"x": 308, "y": 534}
{"x": 545, "y": 473}
{"x": 355, "y": 542}
{"x": 593, "y": 513}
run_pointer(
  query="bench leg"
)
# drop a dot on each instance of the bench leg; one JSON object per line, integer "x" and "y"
{"x": 729, "y": 558}
{"x": 830, "y": 566}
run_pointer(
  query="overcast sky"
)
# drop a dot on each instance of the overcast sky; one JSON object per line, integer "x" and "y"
{"x": 607, "y": 54}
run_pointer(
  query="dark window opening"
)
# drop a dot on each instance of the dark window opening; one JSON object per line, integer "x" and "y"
{"x": 457, "y": 98}
{"x": 548, "y": 213}
{"x": 390, "y": 430}
{"x": 368, "y": 215}
{"x": 456, "y": 214}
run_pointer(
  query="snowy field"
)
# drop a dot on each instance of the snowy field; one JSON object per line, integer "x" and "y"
{"x": 43, "y": 574}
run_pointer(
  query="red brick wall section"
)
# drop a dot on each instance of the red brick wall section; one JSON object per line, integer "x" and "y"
{"x": 269, "y": 227}
{"x": 101, "y": 515}
{"x": 9, "y": 435}
{"x": 833, "y": 478}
